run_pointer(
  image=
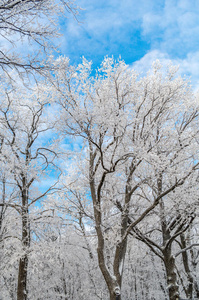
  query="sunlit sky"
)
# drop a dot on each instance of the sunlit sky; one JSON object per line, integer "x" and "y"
{"x": 140, "y": 31}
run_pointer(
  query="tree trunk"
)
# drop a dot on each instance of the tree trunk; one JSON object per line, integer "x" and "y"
{"x": 185, "y": 260}
{"x": 169, "y": 260}
{"x": 3, "y": 208}
{"x": 22, "y": 278}
{"x": 113, "y": 296}
{"x": 173, "y": 288}
{"x": 194, "y": 263}
{"x": 22, "y": 291}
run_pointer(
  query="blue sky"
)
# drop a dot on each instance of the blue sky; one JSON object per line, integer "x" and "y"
{"x": 140, "y": 31}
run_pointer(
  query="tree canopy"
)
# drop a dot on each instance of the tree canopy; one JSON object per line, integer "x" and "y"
{"x": 99, "y": 184}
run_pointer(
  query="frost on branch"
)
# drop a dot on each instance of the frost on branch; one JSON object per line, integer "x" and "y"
{"x": 141, "y": 141}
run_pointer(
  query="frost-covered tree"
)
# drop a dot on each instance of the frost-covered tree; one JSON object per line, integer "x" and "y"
{"x": 60, "y": 266}
{"x": 135, "y": 132}
{"x": 122, "y": 223}
{"x": 33, "y": 23}
{"x": 162, "y": 229}
{"x": 26, "y": 121}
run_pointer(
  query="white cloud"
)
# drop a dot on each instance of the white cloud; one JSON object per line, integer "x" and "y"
{"x": 104, "y": 24}
{"x": 168, "y": 28}
{"x": 145, "y": 63}
{"x": 175, "y": 27}
{"x": 188, "y": 66}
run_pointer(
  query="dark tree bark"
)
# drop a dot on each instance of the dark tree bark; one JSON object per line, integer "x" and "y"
{"x": 169, "y": 262}
{"x": 22, "y": 291}
{"x": 185, "y": 259}
{"x": 22, "y": 278}
{"x": 3, "y": 208}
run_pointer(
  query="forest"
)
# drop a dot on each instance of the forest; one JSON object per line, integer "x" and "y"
{"x": 99, "y": 172}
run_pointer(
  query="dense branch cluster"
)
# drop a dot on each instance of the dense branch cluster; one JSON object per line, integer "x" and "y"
{"x": 99, "y": 185}
{"x": 33, "y": 24}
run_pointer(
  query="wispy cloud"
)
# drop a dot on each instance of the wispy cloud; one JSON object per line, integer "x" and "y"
{"x": 173, "y": 28}
{"x": 135, "y": 30}
{"x": 107, "y": 28}
{"x": 188, "y": 66}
